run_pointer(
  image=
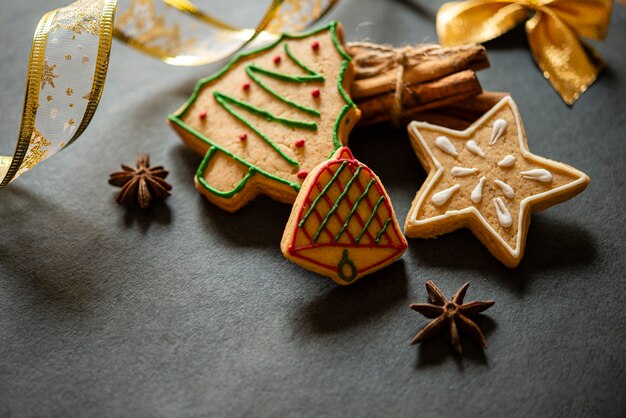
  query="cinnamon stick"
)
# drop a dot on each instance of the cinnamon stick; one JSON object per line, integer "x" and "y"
{"x": 421, "y": 97}
{"x": 476, "y": 105}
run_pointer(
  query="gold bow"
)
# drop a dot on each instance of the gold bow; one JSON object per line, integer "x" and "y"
{"x": 554, "y": 32}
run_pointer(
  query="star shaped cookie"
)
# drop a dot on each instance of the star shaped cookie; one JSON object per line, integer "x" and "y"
{"x": 484, "y": 178}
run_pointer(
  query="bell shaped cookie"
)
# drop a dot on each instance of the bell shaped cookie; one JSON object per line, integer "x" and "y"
{"x": 342, "y": 224}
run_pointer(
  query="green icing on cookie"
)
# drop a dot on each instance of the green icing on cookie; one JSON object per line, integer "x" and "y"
{"x": 252, "y": 71}
{"x": 227, "y": 102}
{"x": 338, "y": 201}
{"x": 354, "y": 208}
{"x": 213, "y": 190}
{"x": 346, "y": 262}
{"x": 322, "y": 193}
{"x": 370, "y": 219}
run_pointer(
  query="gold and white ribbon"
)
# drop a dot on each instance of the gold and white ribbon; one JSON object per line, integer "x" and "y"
{"x": 70, "y": 56}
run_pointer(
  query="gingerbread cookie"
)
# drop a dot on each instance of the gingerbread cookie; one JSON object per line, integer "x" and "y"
{"x": 269, "y": 117}
{"x": 342, "y": 224}
{"x": 484, "y": 178}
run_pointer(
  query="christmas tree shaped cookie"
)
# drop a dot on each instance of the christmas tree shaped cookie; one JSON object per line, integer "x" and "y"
{"x": 269, "y": 117}
{"x": 342, "y": 224}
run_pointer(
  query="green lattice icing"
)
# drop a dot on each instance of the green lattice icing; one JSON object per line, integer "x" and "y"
{"x": 357, "y": 202}
{"x": 346, "y": 190}
{"x": 322, "y": 194}
{"x": 237, "y": 108}
{"x": 335, "y": 206}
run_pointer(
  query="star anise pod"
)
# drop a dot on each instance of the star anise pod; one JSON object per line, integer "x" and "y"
{"x": 453, "y": 313}
{"x": 141, "y": 184}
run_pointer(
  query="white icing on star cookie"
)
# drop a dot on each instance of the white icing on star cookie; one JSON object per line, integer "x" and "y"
{"x": 538, "y": 174}
{"x": 477, "y": 193}
{"x": 499, "y": 126}
{"x": 443, "y": 196}
{"x": 507, "y": 190}
{"x": 504, "y": 217}
{"x": 462, "y": 171}
{"x": 445, "y": 145}
{"x": 473, "y": 147}
{"x": 507, "y": 161}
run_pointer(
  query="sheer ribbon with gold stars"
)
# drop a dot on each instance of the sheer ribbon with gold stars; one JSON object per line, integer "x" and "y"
{"x": 70, "y": 56}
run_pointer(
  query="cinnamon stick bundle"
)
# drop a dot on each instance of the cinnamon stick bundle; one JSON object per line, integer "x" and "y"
{"x": 393, "y": 82}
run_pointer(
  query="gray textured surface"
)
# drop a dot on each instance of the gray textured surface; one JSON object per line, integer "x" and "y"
{"x": 188, "y": 311}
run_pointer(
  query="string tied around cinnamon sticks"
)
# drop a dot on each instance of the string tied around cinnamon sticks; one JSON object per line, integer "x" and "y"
{"x": 396, "y": 109}
{"x": 379, "y": 59}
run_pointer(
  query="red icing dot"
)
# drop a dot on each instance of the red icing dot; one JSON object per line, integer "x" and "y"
{"x": 300, "y": 143}
{"x": 315, "y": 45}
{"x": 246, "y": 86}
{"x": 202, "y": 114}
{"x": 302, "y": 174}
{"x": 243, "y": 136}
{"x": 277, "y": 59}
{"x": 316, "y": 93}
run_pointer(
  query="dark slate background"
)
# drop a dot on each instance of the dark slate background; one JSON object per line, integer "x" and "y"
{"x": 187, "y": 310}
